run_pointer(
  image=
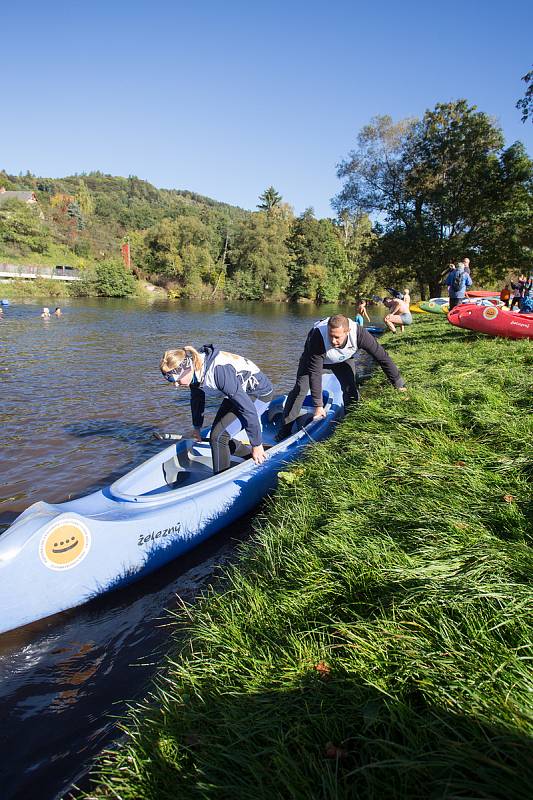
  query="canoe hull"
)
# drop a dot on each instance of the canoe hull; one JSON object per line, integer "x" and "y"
{"x": 58, "y": 556}
{"x": 483, "y": 301}
{"x": 482, "y": 293}
{"x": 437, "y": 305}
{"x": 492, "y": 321}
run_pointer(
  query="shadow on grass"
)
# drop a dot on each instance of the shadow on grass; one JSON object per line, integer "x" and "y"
{"x": 331, "y": 737}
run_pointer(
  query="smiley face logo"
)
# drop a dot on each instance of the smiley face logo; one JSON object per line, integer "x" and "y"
{"x": 491, "y": 312}
{"x": 64, "y": 544}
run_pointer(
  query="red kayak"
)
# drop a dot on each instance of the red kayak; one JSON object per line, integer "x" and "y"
{"x": 492, "y": 320}
{"x": 482, "y": 293}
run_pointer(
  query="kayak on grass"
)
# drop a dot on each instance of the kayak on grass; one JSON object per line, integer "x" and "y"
{"x": 414, "y": 308}
{"x": 437, "y": 305}
{"x": 482, "y": 293}
{"x": 483, "y": 301}
{"x": 493, "y": 321}
{"x": 58, "y": 556}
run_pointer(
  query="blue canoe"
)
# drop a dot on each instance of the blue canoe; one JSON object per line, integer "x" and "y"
{"x": 58, "y": 556}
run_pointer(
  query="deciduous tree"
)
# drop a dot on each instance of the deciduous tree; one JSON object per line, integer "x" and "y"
{"x": 113, "y": 280}
{"x": 318, "y": 265}
{"x": 162, "y": 252}
{"x": 525, "y": 104}
{"x": 85, "y": 200}
{"x": 438, "y": 185}
{"x": 258, "y": 258}
{"x": 21, "y": 228}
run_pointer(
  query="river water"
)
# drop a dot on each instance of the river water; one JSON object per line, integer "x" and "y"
{"x": 80, "y": 397}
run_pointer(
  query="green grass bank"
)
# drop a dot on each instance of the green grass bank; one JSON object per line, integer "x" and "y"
{"x": 374, "y": 639}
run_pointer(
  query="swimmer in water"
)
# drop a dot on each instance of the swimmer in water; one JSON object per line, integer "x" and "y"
{"x": 46, "y": 313}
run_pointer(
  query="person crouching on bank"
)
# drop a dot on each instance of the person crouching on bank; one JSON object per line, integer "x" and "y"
{"x": 330, "y": 347}
{"x": 245, "y": 389}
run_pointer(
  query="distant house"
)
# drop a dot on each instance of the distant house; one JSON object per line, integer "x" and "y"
{"x": 24, "y": 197}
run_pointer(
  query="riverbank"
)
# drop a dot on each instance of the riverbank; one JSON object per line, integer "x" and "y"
{"x": 48, "y": 287}
{"x": 373, "y": 641}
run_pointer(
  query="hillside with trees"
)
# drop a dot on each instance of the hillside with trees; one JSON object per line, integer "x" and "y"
{"x": 416, "y": 195}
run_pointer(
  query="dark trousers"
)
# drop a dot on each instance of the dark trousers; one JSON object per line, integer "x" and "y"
{"x": 229, "y": 421}
{"x": 454, "y": 301}
{"x": 345, "y": 374}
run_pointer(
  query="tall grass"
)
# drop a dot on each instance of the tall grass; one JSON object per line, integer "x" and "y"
{"x": 374, "y": 639}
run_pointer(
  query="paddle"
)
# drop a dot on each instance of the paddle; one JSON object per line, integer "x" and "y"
{"x": 394, "y": 292}
{"x": 167, "y": 437}
{"x": 174, "y": 437}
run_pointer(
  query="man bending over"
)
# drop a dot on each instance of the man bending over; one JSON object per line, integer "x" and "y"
{"x": 330, "y": 346}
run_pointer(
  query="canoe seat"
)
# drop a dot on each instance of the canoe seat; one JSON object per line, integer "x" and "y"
{"x": 274, "y": 413}
{"x": 176, "y": 470}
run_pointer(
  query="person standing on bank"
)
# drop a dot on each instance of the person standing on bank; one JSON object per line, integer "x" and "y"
{"x": 245, "y": 389}
{"x": 362, "y": 313}
{"x": 330, "y": 347}
{"x": 458, "y": 281}
{"x": 518, "y": 292}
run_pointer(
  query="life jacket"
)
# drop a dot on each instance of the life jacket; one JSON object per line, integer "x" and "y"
{"x": 335, "y": 355}
{"x": 252, "y": 380}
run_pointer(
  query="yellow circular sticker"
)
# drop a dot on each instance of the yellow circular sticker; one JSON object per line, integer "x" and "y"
{"x": 490, "y": 312}
{"x": 64, "y": 544}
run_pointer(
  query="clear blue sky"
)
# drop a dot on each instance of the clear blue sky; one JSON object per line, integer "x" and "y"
{"x": 225, "y": 98}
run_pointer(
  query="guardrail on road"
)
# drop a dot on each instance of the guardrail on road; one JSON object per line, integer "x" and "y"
{"x": 61, "y": 272}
